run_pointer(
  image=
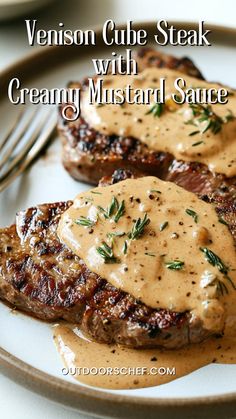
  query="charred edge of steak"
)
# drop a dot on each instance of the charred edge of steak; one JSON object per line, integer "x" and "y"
{"x": 40, "y": 275}
{"x": 149, "y": 57}
{"x": 89, "y": 155}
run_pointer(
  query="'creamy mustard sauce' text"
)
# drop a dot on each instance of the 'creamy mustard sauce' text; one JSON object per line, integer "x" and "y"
{"x": 177, "y": 130}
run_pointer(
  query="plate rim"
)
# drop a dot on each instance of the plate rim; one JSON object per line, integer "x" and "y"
{"x": 102, "y": 402}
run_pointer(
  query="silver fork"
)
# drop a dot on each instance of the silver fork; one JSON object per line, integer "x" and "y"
{"x": 25, "y": 139}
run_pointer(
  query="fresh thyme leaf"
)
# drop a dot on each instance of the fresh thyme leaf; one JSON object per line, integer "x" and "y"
{"x": 106, "y": 252}
{"x": 84, "y": 221}
{"x": 108, "y": 212}
{"x": 125, "y": 247}
{"x": 88, "y": 199}
{"x": 157, "y": 109}
{"x": 96, "y": 193}
{"x": 192, "y": 214}
{"x": 212, "y": 279}
{"x": 114, "y": 208}
{"x": 209, "y": 125}
{"x": 116, "y": 234}
{"x": 221, "y": 287}
{"x": 138, "y": 227}
{"x": 150, "y": 254}
{"x": 104, "y": 211}
{"x": 120, "y": 211}
{"x": 175, "y": 265}
{"x": 112, "y": 236}
{"x": 222, "y": 221}
{"x": 206, "y": 114}
{"x": 197, "y": 143}
{"x": 163, "y": 225}
{"x": 155, "y": 190}
{"x": 194, "y": 133}
{"x": 214, "y": 260}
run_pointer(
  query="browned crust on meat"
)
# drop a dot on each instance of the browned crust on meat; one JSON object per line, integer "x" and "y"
{"x": 39, "y": 275}
{"x": 89, "y": 155}
{"x": 149, "y": 57}
{"x": 216, "y": 189}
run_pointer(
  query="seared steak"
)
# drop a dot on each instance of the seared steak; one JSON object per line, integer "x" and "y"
{"x": 40, "y": 275}
{"x": 89, "y": 155}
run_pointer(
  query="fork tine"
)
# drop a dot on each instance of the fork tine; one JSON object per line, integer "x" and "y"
{"x": 11, "y": 130}
{"x": 19, "y": 135}
{"x": 28, "y": 144}
{"x": 32, "y": 153}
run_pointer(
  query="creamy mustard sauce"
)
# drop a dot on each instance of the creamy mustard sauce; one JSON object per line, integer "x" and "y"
{"x": 116, "y": 367}
{"x": 165, "y": 266}
{"x": 174, "y": 131}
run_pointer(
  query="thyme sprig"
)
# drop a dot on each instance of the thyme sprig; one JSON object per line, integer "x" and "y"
{"x": 120, "y": 211}
{"x": 192, "y": 214}
{"x": 215, "y": 260}
{"x": 211, "y": 279}
{"x": 155, "y": 190}
{"x": 115, "y": 209}
{"x": 156, "y": 110}
{"x": 175, "y": 265}
{"x": 222, "y": 221}
{"x": 106, "y": 252}
{"x": 125, "y": 247}
{"x": 206, "y": 114}
{"x": 138, "y": 227}
{"x": 197, "y": 143}
{"x": 84, "y": 221}
{"x": 108, "y": 212}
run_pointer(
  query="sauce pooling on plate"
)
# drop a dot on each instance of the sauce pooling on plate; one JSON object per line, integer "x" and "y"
{"x": 168, "y": 249}
{"x": 202, "y": 133}
{"x": 117, "y": 367}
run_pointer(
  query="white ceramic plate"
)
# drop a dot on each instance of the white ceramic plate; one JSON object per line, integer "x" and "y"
{"x": 30, "y": 340}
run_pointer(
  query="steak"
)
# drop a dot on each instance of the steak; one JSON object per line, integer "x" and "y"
{"x": 41, "y": 276}
{"x": 88, "y": 155}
